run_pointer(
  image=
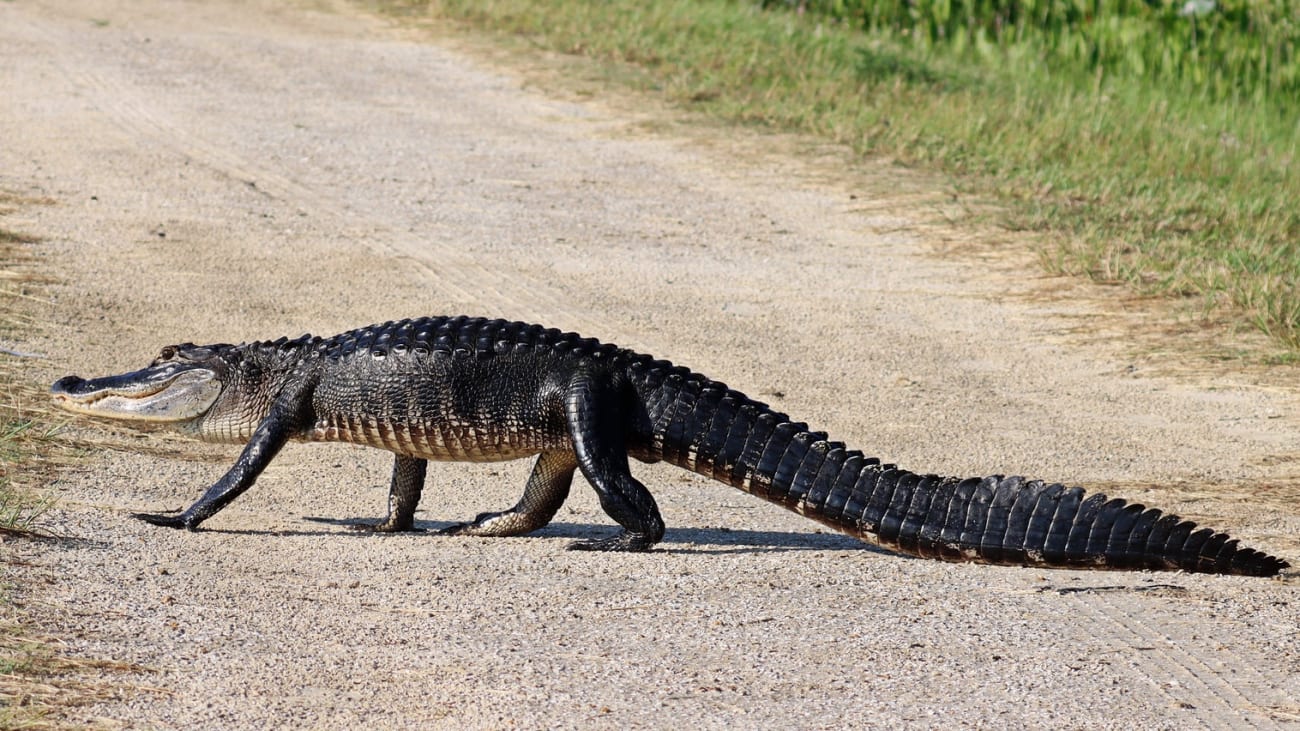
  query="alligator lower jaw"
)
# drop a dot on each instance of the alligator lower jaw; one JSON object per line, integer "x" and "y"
{"x": 104, "y": 405}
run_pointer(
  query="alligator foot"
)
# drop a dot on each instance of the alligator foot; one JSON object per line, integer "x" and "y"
{"x": 513, "y": 522}
{"x": 384, "y": 527}
{"x": 631, "y": 542}
{"x": 455, "y": 529}
{"x": 166, "y": 521}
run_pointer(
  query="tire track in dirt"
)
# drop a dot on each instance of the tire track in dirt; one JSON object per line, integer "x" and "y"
{"x": 529, "y": 296}
{"x": 1178, "y": 664}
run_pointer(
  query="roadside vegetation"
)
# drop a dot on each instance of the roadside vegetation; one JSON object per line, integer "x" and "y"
{"x": 1152, "y": 144}
{"x": 24, "y": 436}
{"x": 34, "y": 678}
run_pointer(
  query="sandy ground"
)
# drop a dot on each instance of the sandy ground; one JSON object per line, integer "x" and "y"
{"x": 227, "y": 171}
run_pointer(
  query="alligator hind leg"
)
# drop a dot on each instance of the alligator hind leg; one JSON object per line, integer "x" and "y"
{"x": 403, "y": 496}
{"x": 547, "y": 487}
{"x": 598, "y": 412}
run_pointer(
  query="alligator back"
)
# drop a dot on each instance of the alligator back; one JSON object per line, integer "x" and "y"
{"x": 717, "y": 432}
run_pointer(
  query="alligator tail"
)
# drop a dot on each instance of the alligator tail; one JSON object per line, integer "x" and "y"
{"x": 720, "y": 433}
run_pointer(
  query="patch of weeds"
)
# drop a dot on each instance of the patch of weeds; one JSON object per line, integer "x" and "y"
{"x": 36, "y": 679}
{"x": 19, "y": 513}
{"x": 877, "y": 64}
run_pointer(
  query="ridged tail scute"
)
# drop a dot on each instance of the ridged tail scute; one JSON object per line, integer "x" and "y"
{"x": 1009, "y": 520}
{"x": 722, "y": 434}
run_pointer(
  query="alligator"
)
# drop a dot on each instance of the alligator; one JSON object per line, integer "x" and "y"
{"x": 480, "y": 390}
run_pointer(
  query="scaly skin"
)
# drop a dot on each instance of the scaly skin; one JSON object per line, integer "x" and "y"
{"x": 466, "y": 389}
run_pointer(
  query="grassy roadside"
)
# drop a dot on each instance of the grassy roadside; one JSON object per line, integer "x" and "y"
{"x": 34, "y": 678}
{"x": 25, "y": 437}
{"x": 1158, "y": 187}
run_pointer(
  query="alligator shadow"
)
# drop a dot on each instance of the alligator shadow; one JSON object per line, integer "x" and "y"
{"x": 677, "y": 540}
{"x": 1158, "y": 589}
{"x": 57, "y": 540}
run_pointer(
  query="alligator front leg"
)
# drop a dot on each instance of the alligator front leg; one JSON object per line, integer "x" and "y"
{"x": 270, "y": 436}
{"x": 598, "y": 411}
{"x": 276, "y": 429}
{"x": 547, "y": 488}
{"x": 403, "y": 495}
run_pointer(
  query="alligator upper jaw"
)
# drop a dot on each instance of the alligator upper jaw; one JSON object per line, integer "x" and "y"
{"x": 163, "y": 393}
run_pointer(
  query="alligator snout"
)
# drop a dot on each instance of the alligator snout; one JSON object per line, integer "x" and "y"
{"x": 67, "y": 386}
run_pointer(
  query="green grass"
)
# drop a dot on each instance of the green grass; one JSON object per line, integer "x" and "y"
{"x": 1224, "y": 49}
{"x": 22, "y": 439}
{"x": 1164, "y": 182}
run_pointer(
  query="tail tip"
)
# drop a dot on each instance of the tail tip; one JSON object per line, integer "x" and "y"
{"x": 1263, "y": 564}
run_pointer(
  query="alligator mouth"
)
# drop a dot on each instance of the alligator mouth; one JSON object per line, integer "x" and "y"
{"x": 160, "y": 393}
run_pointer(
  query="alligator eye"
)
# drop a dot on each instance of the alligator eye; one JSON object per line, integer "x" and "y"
{"x": 167, "y": 353}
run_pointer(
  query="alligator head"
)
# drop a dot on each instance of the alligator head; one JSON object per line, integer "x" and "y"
{"x": 180, "y": 385}
{"x": 218, "y": 392}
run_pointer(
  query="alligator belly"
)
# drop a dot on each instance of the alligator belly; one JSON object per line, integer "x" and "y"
{"x": 447, "y": 442}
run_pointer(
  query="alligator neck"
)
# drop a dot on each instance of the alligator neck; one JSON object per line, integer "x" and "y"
{"x": 256, "y": 374}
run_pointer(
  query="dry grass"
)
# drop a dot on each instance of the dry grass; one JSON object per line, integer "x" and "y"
{"x": 39, "y": 679}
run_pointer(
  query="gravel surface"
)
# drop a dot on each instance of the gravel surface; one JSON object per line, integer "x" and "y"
{"x": 223, "y": 171}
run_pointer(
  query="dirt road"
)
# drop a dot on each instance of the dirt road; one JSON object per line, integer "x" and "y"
{"x": 226, "y": 171}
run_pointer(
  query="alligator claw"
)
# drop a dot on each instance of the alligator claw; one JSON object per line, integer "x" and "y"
{"x": 383, "y": 527}
{"x": 166, "y": 521}
{"x": 455, "y": 529}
